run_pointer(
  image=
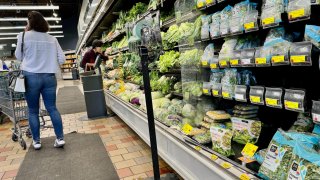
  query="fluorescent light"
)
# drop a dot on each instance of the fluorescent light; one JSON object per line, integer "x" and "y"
{"x": 23, "y": 27}
{"x": 50, "y": 32}
{"x": 25, "y": 19}
{"x": 59, "y": 36}
{"x": 55, "y": 14}
{"x": 13, "y": 45}
{"x": 51, "y": 7}
{"x": 10, "y": 38}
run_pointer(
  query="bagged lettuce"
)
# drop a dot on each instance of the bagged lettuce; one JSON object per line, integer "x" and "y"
{"x": 304, "y": 164}
{"x": 307, "y": 139}
{"x": 221, "y": 140}
{"x": 245, "y": 130}
{"x": 203, "y": 138}
{"x": 316, "y": 129}
{"x": 259, "y": 156}
{"x": 277, "y": 158}
{"x": 304, "y": 123}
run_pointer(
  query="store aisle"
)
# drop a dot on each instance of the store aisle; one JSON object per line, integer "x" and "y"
{"x": 129, "y": 154}
{"x": 70, "y": 100}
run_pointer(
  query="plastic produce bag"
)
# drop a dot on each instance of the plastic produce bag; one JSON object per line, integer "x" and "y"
{"x": 245, "y": 130}
{"x": 221, "y": 140}
{"x": 303, "y": 123}
{"x": 307, "y": 139}
{"x": 189, "y": 111}
{"x": 203, "y": 138}
{"x": 208, "y": 54}
{"x": 205, "y": 27}
{"x": 304, "y": 164}
{"x": 277, "y": 158}
{"x": 216, "y": 76}
{"x": 226, "y": 13}
{"x": 259, "y": 156}
{"x": 316, "y": 129}
{"x": 312, "y": 33}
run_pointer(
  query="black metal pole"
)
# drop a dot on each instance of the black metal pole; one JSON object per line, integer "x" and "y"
{"x": 147, "y": 90}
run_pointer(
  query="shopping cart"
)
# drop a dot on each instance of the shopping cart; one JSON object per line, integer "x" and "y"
{"x": 14, "y": 105}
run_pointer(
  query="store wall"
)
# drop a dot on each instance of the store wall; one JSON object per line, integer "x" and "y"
{"x": 70, "y": 39}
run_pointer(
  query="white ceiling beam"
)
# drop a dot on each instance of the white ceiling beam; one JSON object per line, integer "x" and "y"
{"x": 51, "y": 7}
{"x": 16, "y": 33}
{"x": 25, "y": 19}
{"x": 23, "y": 27}
{"x": 12, "y": 38}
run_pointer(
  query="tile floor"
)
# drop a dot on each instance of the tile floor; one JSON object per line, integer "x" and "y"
{"x": 131, "y": 157}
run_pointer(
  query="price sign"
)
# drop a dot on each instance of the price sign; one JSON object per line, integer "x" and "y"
{"x": 234, "y": 62}
{"x": 272, "y": 102}
{"x": 244, "y": 177}
{"x": 223, "y": 63}
{"x": 215, "y": 92}
{"x": 268, "y": 21}
{"x": 213, "y": 66}
{"x": 249, "y": 25}
{"x": 225, "y": 94}
{"x": 204, "y": 63}
{"x": 261, "y": 60}
{"x": 226, "y": 165}
{"x": 246, "y": 160}
{"x": 187, "y": 128}
{"x": 206, "y": 91}
{"x": 214, "y": 157}
{"x": 298, "y": 59}
{"x": 198, "y": 148}
{"x": 209, "y": 1}
{"x": 249, "y": 150}
{"x": 296, "y": 13}
{"x": 255, "y": 99}
{"x": 291, "y": 104}
{"x": 200, "y": 4}
{"x": 277, "y": 59}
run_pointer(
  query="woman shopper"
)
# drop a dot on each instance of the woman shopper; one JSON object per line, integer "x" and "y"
{"x": 41, "y": 55}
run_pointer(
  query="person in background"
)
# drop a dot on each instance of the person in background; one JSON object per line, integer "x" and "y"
{"x": 41, "y": 56}
{"x": 90, "y": 56}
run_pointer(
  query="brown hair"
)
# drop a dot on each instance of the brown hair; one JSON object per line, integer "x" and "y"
{"x": 37, "y": 22}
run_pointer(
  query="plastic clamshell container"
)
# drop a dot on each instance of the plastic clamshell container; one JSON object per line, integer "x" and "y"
{"x": 206, "y": 88}
{"x": 241, "y": 93}
{"x": 262, "y": 57}
{"x": 256, "y": 95}
{"x": 235, "y": 60}
{"x": 294, "y": 100}
{"x": 236, "y": 25}
{"x": 250, "y": 22}
{"x": 271, "y": 15}
{"x": 227, "y": 91}
{"x": 316, "y": 111}
{"x": 214, "y": 63}
{"x": 300, "y": 54}
{"x": 224, "y": 28}
{"x": 216, "y": 89}
{"x": 273, "y": 97}
{"x": 299, "y": 10}
{"x": 279, "y": 56}
{"x": 248, "y": 57}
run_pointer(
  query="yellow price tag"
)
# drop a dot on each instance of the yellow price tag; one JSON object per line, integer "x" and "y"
{"x": 234, "y": 62}
{"x": 213, "y": 66}
{"x": 244, "y": 177}
{"x": 205, "y": 91}
{"x": 215, "y": 92}
{"x": 261, "y": 60}
{"x": 200, "y": 4}
{"x": 209, "y": 1}
{"x": 225, "y": 95}
{"x": 298, "y": 59}
{"x": 226, "y": 165}
{"x": 267, "y": 21}
{"x": 223, "y": 63}
{"x": 214, "y": 157}
{"x": 296, "y": 13}
{"x": 291, "y": 105}
{"x": 272, "y": 102}
{"x": 277, "y": 59}
{"x": 198, "y": 148}
{"x": 249, "y": 150}
{"x": 187, "y": 128}
{"x": 204, "y": 63}
{"x": 249, "y": 25}
{"x": 255, "y": 99}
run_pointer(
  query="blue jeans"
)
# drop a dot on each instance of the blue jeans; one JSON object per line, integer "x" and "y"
{"x": 46, "y": 85}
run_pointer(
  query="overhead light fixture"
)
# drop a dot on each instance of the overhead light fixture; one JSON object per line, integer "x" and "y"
{"x": 13, "y": 45}
{"x": 57, "y": 21}
{"x": 11, "y": 38}
{"x": 23, "y": 27}
{"x": 51, "y": 7}
{"x": 55, "y": 14}
{"x": 25, "y": 19}
{"x": 17, "y": 33}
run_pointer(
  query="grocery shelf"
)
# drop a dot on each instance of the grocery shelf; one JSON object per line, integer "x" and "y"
{"x": 184, "y": 158}
{"x": 168, "y": 23}
{"x": 115, "y": 36}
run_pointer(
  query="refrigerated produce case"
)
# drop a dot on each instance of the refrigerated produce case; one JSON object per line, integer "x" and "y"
{"x": 232, "y": 78}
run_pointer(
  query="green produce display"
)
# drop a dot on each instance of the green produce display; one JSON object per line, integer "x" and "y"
{"x": 168, "y": 60}
{"x": 303, "y": 124}
{"x": 192, "y": 88}
{"x": 191, "y": 57}
{"x": 203, "y": 138}
{"x": 245, "y": 130}
{"x": 189, "y": 111}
